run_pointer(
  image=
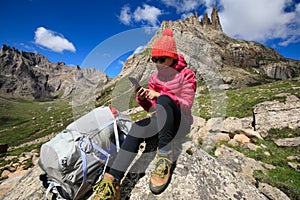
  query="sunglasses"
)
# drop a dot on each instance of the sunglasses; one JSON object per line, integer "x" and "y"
{"x": 159, "y": 59}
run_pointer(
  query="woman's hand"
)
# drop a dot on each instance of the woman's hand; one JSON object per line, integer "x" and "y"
{"x": 143, "y": 93}
{"x": 151, "y": 94}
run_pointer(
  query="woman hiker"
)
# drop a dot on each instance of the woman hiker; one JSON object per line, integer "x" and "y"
{"x": 170, "y": 95}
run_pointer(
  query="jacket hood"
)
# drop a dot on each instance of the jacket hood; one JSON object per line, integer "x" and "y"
{"x": 181, "y": 64}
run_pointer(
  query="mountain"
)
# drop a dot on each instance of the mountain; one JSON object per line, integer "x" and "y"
{"x": 31, "y": 75}
{"x": 217, "y": 58}
{"x": 242, "y": 155}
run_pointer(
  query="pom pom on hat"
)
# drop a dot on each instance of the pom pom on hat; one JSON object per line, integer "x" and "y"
{"x": 168, "y": 32}
{"x": 165, "y": 45}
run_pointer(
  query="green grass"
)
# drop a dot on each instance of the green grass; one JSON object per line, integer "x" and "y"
{"x": 138, "y": 116}
{"x": 239, "y": 102}
{"x": 283, "y": 177}
{"x": 25, "y": 120}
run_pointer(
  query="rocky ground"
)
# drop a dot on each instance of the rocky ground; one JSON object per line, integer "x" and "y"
{"x": 223, "y": 173}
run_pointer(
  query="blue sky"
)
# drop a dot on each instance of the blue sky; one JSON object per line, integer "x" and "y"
{"x": 101, "y": 34}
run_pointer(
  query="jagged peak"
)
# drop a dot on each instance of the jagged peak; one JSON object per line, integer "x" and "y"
{"x": 8, "y": 48}
{"x": 213, "y": 22}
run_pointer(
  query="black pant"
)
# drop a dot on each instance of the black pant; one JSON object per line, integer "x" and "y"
{"x": 166, "y": 130}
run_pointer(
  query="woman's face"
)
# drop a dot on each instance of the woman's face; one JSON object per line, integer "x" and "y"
{"x": 162, "y": 61}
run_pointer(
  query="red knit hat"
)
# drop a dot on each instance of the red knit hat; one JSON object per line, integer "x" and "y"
{"x": 165, "y": 45}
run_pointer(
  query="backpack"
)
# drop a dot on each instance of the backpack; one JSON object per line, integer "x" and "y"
{"x": 76, "y": 158}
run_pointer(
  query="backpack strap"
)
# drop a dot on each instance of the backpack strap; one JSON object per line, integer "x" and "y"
{"x": 116, "y": 135}
{"x": 83, "y": 157}
{"x": 107, "y": 155}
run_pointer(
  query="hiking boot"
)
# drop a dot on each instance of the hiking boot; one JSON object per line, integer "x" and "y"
{"x": 161, "y": 175}
{"x": 107, "y": 189}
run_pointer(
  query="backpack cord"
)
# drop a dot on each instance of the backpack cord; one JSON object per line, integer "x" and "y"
{"x": 50, "y": 187}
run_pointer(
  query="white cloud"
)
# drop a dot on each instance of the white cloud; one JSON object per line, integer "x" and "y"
{"x": 183, "y": 5}
{"x": 125, "y": 16}
{"x": 259, "y": 20}
{"x": 52, "y": 40}
{"x": 121, "y": 62}
{"x": 148, "y": 14}
{"x": 186, "y": 15}
{"x": 139, "y": 49}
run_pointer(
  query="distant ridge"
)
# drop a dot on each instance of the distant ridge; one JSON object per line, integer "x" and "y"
{"x": 32, "y": 75}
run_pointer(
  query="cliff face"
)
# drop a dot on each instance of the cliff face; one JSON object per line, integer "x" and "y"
{"x": 215, "y": 57}
{"x": 32, "y": 75}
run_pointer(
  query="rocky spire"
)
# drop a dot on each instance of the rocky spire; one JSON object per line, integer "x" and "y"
{"x": 215, "y": 19}
{"x": 206, "y": 22}
{"x": 213, "y": 22}
{"x": 203, "y": 24}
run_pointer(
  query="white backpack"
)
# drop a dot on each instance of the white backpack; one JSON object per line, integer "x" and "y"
{"x": 75, "y": 159}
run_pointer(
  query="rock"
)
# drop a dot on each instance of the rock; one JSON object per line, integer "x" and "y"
{"x": 241, "y": 138}
{"x": 233, "y": 142}
{"x": 222, "y": 137}
{"x": 267, "y": 153}
{"x": 5, "y": 173}
{"x": 232, "y": 124}
{"x": 250, "y": 133}
{"x": 294, "y": 165}
{"x": 198, "y": 124}
{"x": 228, "y": 80}
{"x": 200, "y": 176}
{"x": 224, "y": 87}
{"x": 294, "y": 158}
{"x": 274, "y": 114}
{"x": 288, "y": 142}
{"x": 278, "y": 71}
{"x": 269, "y": 166}
{"x": 250, "y": 146}
{"x": 214, "y": 125}
{"x": 239, "y": 163}
{"x": 271, "y": 192}
{"x": 28, "y": 186}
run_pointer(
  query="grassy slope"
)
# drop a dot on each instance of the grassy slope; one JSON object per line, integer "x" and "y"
{"x": 25, "y": 120}
{"x": 239, "y": 102}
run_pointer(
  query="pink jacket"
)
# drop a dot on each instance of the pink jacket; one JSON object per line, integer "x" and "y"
{"x": 178, "y": 82}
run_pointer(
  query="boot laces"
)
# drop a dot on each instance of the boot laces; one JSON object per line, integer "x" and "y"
{"x": 104, "y": 190}
{"x": 161, "y": 165}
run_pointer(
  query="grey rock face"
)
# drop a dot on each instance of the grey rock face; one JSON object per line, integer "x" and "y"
{"x": 200, "y": 176}
{"x": 32, "y": 75}
{"x": 274, "y": 114}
